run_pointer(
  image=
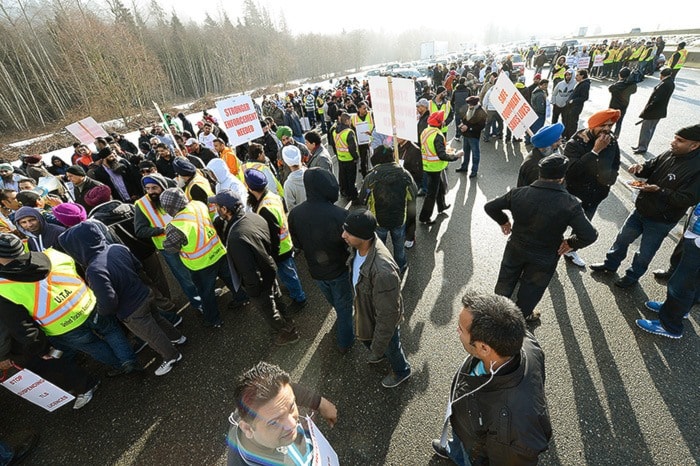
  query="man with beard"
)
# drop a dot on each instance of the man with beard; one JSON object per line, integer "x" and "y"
{"x": 441, "y": 104}
{"x": 206, "y": 137}
{"x": 544, "y": 142}
{"x": 252, "y": 266}
{"x": 541, "y": 214}
{"x": 574, "y": 106}
{"x": 471, "y": 126}
{"x": 195, "y": 148}
{"x": 269, "y": 144}
{"x": 193, "y": 183}
{"x": 256, "y": 160}
{"x": 285, "y": 135}
{"x": 422, "y": 108}
{"x": 8, "y": 178}
{"x": 560, "y": 95}
{"x": 270, "y": 207}
{"x": 594, "y": 160}
{"x": 319, "y": 155}
{"x": 82, "y": 183}
{"x": 150, "y": 220}
{"x": 116, "y": 173}
{"x": 363, "y": 115}
{"x": 672, "y": 186}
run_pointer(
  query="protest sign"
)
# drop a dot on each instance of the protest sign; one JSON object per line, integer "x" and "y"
{"x": 401, "y": 94}
{"x": 37, "y": 390}
{"x": 239, "y": 119}
{"x": 87, "y": 130}
{"x": 323, "y": 453}
{"x": 512, "y": 106}
{"x": 598, "y": 60}
{"x": 583, "y": 63}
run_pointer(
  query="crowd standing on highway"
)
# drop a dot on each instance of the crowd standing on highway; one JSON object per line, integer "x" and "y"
{"x": 82, "y": 256}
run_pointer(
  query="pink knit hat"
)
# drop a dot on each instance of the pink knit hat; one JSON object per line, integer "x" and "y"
{"x": 69, "y": 213}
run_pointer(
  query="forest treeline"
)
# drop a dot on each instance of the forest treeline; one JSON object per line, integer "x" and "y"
{"x": 62, "y": 60}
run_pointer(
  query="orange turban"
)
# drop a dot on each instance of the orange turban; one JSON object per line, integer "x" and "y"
{"x": 601, "y": 117}
{"x": 436, "y": 119}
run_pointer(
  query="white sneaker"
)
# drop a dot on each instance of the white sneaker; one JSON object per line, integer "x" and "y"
{"x": 575, "y": 259}
{"x": 179, "y": 341}
{"x": 219, "y": 291}
{"x": 84, "y": 398}
{"x": 168, "y": 365}
{"x": 409, "y": 244}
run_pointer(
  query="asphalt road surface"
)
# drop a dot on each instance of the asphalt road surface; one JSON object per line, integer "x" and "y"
{"x": 617, "y": 396}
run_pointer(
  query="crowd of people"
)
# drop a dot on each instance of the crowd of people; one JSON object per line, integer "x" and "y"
{"x": 83, "y": 246}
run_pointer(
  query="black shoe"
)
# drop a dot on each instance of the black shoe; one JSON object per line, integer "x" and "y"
{"x": 447, "y": 206}
{"x": 127, "y": 368}
{"x": 238, "y": 305}
{"x": 461, "y": 170}
{"x": 439, "y": 449}
{"x": 625, "y": 282}
{"x": 286, "y": 337}
{"x": 639, "y": 152}
{"x": 428, "y": 222}
{"x": 473, "y": 175}
{"x": 600, "y": 267}
{"x": 635, "y": 147}
{"x": 295, "y": 307}
{"x": 23, "y": 448}
{"x": 662, "y": 274}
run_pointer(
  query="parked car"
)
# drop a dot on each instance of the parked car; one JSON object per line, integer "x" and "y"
{"x": 550, "y": 51}
{"x": 374, "y": 72}
{"x": 411, "y": 73}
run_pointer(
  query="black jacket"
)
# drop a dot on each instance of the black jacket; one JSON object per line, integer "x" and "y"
{"x": 657, "y": 104}
{"x": 506, "y": 422}
{"x": 119, "y": 218}
{"x": 620, "y": 93}
{"x": 386, "y": 191}
{"x": 476, "y": 124}
{"x": 541, "y": 214}
{"x": 316, "y": 226}
{"x": 580, "y": 94}
{"x": 678, "y": 176}
{"x": 589, "y": 176}
{"x": 249, "y": 237}
{"x": 422, "y": 124}
{"x": 530, "y": 170}
{"x": 130, "y": 176}
{"x": 80, "y": 191}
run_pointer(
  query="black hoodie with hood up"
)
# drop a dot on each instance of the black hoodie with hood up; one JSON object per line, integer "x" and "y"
{"x": 316, "y": 226}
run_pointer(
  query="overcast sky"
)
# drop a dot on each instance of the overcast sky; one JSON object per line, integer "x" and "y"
{"x": 329, "y": 17}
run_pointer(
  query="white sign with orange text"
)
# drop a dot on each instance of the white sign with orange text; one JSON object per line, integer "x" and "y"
{"x": 239, "y": 119}
{"x": 512, "y": 106}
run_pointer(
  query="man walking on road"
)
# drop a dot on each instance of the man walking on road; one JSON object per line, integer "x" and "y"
{"x": 541, "y": 213}
{"x": 378, "y": 302}
{"x": 655, "y": 110}
{"x": 497, "y": 406}
{"x": 672, "y": 186}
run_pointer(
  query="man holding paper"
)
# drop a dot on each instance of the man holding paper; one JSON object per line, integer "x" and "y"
{"x": 363, "y": 124}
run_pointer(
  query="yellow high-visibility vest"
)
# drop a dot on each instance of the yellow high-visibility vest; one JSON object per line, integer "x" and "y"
{"x": 431, "y": 161}
{"x": 203, "y": 248}
{"x": 157, "y": 218}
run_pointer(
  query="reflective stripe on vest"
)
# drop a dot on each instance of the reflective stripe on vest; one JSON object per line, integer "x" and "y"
{"x": 683, "y": 55}
{"x": 445, "y": 107}
{"x": 200, "y": 181}
{"x": 203, "y": 246}
{"x": 273, "y": 203}
{"x": 559, "y": 74}
{"x": 157, "y": 218}
{"x": 368, "y": 119}
{"x": 60, "y": 302}
{"x": 431, "y": 161}
{"x": 341, "y": 145}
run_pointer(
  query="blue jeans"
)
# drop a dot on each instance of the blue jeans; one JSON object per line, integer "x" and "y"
{"x": 287, "y": 273}
{"x": 205, "y": 281}
{"x": 682, "y": 289}
{"x": 338, "y": 292}
{"x": 457, "y": 453}
{"x": 101, "y": 338}
{"x": 394, "y": 353}
{"x": 470, "y": 146}
{"x": 398, "y": 237}
{"x": 184, "y": 277}
{"x": 6, "y": 453}
{"x": 652, "y": 233}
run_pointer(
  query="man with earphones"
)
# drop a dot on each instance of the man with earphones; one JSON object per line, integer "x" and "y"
{"x": 497, "y": 406}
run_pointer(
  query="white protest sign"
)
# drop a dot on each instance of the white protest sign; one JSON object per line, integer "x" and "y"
{"x": 37, "y": 390}
{"x": 87, "y": 130}
{"x": 512, "y": 106}
{"x": 583, "y": 63}
{"x": 239, "y": 119}
{"x": 363, "y": 134}
{"x": 572, "y": 60}
{"x": 323, "y": 453}
{"x": 404, "y": 96}
{"x": 598, "y": 60}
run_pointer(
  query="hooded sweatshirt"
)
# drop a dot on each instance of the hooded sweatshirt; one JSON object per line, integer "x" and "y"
{"x": 111, "y": 271}
{"x": 119, "y": 218}
{"x": 225, "y": 179}
{"x": 48, "y": 233}
{"x": 316, "y": 226}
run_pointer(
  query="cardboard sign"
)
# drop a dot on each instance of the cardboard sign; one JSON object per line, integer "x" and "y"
{"x": 239, "y": 119}
{"x": 598, "y": 60}
{"x": 512, "y": 106}
{"x": 87, "y": 130}
{"x": 403, "y": 93}
{"x": 323, "y": 453}
{"x": 583, "y": 63}
{"x": 37, "y": 390}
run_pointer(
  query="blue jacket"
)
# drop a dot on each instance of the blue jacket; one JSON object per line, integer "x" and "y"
{"x": 111, "y": 271}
